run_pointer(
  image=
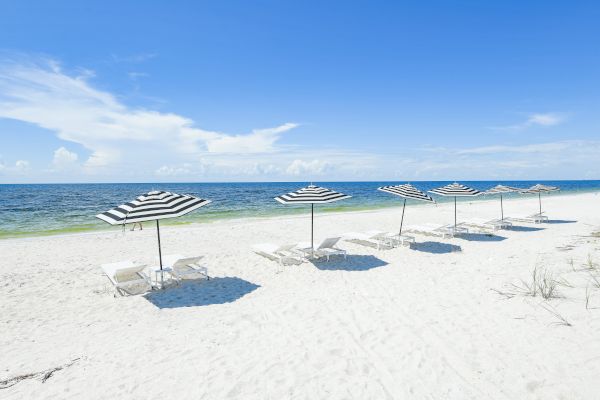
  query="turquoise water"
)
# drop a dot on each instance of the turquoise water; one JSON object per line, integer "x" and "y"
{"x": 30, "y": 210}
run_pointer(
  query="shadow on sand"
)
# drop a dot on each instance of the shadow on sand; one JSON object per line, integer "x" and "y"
{"x": 351, "y": 263}
{"x": 521, "y": 228}
{"x": 201, "y": 293}
{"x": 559, "y": 221}
{"x": 436, "y": 247}
{"x": 480, "y": 237}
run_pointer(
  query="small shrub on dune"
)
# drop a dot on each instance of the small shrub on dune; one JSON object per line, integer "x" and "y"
{"x": 542, "y": 284}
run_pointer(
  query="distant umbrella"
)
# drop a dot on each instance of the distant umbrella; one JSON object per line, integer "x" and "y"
{"x": 502, "y": 189}
{"x": 311, "y": 195}
{"x": 539, "y": 189}
{"x": 153, "y": 206}
{"x": 406, "y": 191}
{"x": 456, "y": 190}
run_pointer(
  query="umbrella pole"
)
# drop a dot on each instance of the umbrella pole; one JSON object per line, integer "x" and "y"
{"x": 312, "y": 229}
{"x": 501, "y": 208}
{"x": 540, "y": 200}
{"x": 455, "y": 213}
{"x": 159, "y": 253}
{"x": 402, "y": 220}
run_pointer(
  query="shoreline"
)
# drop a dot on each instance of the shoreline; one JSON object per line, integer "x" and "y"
{"x": 174, "y": 223}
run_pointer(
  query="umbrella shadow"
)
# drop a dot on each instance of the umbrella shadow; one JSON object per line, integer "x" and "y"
{"x": 351, "y": 263}
{"x": 204, "y": 293}
{"x": 560, "y": 221}
{"x": 521, "y": 228}
{"x": 436, "y": 247}
{"x": 481, "y": 237}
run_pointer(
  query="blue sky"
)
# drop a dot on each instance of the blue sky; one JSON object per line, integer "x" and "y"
{"x": 117, "y": 91}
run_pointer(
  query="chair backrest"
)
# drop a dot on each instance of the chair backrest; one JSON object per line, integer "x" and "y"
{"x": 285, "y": 247}
{"x": 186, "y": 261}
{"x": 376, "y": 234}
{"x": 114, "y": 268}
{"x": 329, "y": 243}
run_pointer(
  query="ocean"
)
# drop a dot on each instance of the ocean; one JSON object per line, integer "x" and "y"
{"x": 46, "y": 209}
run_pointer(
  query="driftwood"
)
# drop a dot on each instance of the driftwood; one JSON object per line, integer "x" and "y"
{"x": 42, "y": 375}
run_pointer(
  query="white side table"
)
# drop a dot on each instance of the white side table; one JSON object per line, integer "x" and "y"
{"x": 161, "y": 272}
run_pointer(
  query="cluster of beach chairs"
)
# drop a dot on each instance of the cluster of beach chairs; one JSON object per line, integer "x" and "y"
{"x": 296, "y": 253}
{"x": 129, "y": 278}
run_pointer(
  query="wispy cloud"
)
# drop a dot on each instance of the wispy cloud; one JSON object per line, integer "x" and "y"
{"x": 536, "y": 119}
{"x": 40, "y": 93}
{"x": 134, "y": 76}
{"x": 133, "y": 58}
{"x": 522, "y": 149}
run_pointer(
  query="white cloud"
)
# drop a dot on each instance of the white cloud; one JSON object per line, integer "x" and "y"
{"x": 22, "y": 165}
{"x": 536, "y": 119}
{"x": 18, "y": 168}
{"x": 548, "y": 119}
{"x": 42, "y": 94}
{"x": 173, "y": 171}
{"x": 64, "y": 158}
{"x": 259, "y": 141}
{"x": 303, "y": 168}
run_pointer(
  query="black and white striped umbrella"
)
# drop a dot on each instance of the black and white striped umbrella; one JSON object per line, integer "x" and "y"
{"x": 539, "y": 189}
{"x": 407, "y": 191}
{"x": 153, "y": 206}
{"x": 311, "y": 195}
{"x": 501, "y": 190}
{"x": 456, "y": 190}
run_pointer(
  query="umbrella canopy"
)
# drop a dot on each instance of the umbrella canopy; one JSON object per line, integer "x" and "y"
{"x": 456, "y": 190}
{"x": 406, "y": 191}
{"x": 153, "y": 206}
{"x": 501, "y": 189}
{"x": 539, "y": 189}
{"x": 311, "y": 195}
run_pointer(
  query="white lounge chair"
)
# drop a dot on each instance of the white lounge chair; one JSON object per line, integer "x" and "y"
{"x": 483, "y": 224}
{"x": 443, "y": 231}
{"x": 282, "y": 254}
{"x": 378, "y": 239}
{"x": 325, "y": 249}
{"x": 539, "y": 217}
{"x": 400, "y": 240}
{"x": 533, "y": 218}
{"x": 188, "y": 268}
{"x": 127, "y": 278}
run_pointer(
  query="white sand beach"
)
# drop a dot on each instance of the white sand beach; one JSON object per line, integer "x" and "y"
{"x": 422, "y": 323}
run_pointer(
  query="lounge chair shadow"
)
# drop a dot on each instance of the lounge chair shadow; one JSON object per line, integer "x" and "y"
{"x": 201, "y": 293}
{"x": 351, "y": 263}
{"x": 521, "y": 228}
{"x": 481, "y": 237}
{"x": 560, "y": 221}
{"x": 435, "y": 247}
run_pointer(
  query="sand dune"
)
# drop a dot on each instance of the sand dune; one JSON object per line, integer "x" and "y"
{"x": 426, "y": 323}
